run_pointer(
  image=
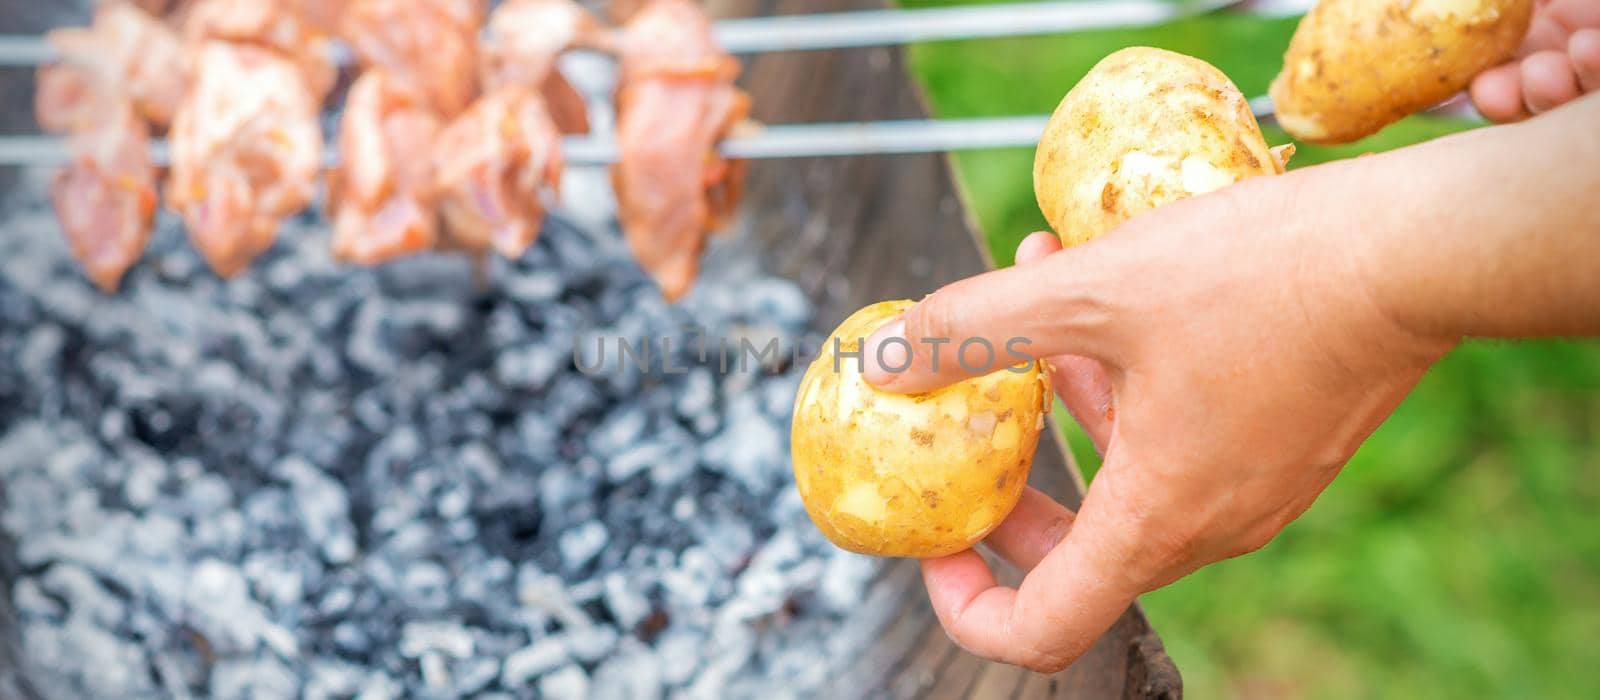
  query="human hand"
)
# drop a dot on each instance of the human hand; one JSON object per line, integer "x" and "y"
{"x": 1559, "y": 61}
{"x": 1225, "y": 356}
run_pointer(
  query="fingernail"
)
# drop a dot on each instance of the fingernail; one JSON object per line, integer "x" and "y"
{"x": 882, "y": 361}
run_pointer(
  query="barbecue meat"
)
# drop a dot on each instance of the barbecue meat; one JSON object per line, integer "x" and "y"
{"x": 525, "y": 39}
{"x": 432, "y": 44}
{"x": 325, "y": 15}
{"x": 126, "y": 53}
{"x": 156, "y": 7}
{"x": 492, "y": 163}
{"x": 676, "y": 101}
{"x": 113, "y": 77}
{"x": 246, "y": 150}
{"x": 106, "y": 197}
{"x": 269, "y": 24}
{"x": 67, "y": 98}
{"x": 383, "y": 192}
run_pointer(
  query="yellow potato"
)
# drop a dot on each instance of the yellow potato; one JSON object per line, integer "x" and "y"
{"x": 1355, "y": 66}
{"x": 1145, "y": 127}
{"x": 922, "y": 475}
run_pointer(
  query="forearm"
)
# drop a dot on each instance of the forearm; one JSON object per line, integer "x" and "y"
{"x": 1491, "y": 233}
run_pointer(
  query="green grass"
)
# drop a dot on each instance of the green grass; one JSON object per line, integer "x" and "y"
{"x": 1459, "y": 553}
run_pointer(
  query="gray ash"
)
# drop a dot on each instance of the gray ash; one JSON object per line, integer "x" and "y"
{"x": 327, "y": 482}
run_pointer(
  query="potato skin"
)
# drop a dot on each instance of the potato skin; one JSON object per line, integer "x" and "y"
{"x": 1356, "y": 66}
{"x": 1144, "y": 127}
{"x": 922, "y": 475}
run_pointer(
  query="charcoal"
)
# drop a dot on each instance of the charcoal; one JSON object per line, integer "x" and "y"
{"x": 332, "y": 679}
{"x": 81, "y": 595}
{"x": 696, "y": 398}
{"x": 590, "y": 643}
{"x": 380, "y": 687}
{"x": 419, "y": 638}
{"x": 632, "y": 674}
{"x": 748, "y": 450}
{"x": 679, "y": 653}
{"x": 675, "y": 458}
{"x": 329, "y": 482}
{"x": 117, "y": 673}
{"x": 569, "y": 682}
{"x": 323, "y": 509}
{"x": 531, "y": 367}
{"x": 248, "y": 680}
{"x": 219, "y": 604}
{"x": 624, "y": 601}
{"x": 534, "y": 660}
{"x": 426, "y": 587}
{"x": 844, "y": 582}
{"x": 581, "y": 544}
{"x": 473, "y": 675}
{"x": 351, "y": 638}
{"x": 32, "y": 602}
{"x": 621, "y": 429}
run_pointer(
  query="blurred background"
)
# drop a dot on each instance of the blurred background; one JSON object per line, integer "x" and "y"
{"x": 1459, "y": 553}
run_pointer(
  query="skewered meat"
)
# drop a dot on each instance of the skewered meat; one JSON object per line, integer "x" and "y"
{"x": 155, "y": 7}
{"x": 124, "y": 69}
{"x": 383, "y": 193}
{"x": 675, "y": 102}
{"x": 325, "y": 15}
{"x": 175, "y": 12}
{"x": 106, "y": 198}
{"x": 464, "y": 13}
{"x": 67, "y": 98}
{"x": 242, "y": 89}
{"x": 268, "y": 24}
{"x": 620, "y": 11}
{"x": 493, "y": 163}
{"x": 245, "y": 151}
{"x": 170, "y": 12}
{"x": 125, "y": 53}
{"x": 430, "y": 43}
{"x": 525, "y": 39}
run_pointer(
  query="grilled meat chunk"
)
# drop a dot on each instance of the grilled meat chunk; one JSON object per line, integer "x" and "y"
{"x": 524, "y": 41}
{"x": 432, "y": 44}
{"x": 246, "y": 151}
{"x": 126, "y": 53}
{"x": 383, "y": 193}
{"x": 106, "y": 198}
{"x": 493, "y": 163}
{"x": 676, "y": 101}
{"x": 268, "y": 24}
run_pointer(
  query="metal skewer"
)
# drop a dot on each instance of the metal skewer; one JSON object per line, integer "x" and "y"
{"x": 791, "y": 33}
{"x": 836, "y": 30}
{"x": 839, "y": 30}
{"x": 782, "y": 141}
{"x": 889, "y": 137}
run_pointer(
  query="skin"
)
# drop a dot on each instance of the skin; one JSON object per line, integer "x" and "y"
{"x": 1228, "y": 353}
{"x": 1559, "y": 60}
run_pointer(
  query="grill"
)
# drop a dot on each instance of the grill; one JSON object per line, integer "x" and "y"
{"x": 326, "y": 481}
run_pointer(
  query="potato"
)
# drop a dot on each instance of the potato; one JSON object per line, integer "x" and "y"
{"x": 1355, "y": 66}
{"x": 921, "y": 475}
{"x": 1145, "y": 127}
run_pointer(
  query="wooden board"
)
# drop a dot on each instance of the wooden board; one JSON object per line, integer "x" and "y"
{"x": 857, "y": 230}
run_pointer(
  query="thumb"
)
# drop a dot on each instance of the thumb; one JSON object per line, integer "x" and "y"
{"x": 1066, "y": 602}
{"x": 1050, "y": 306}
